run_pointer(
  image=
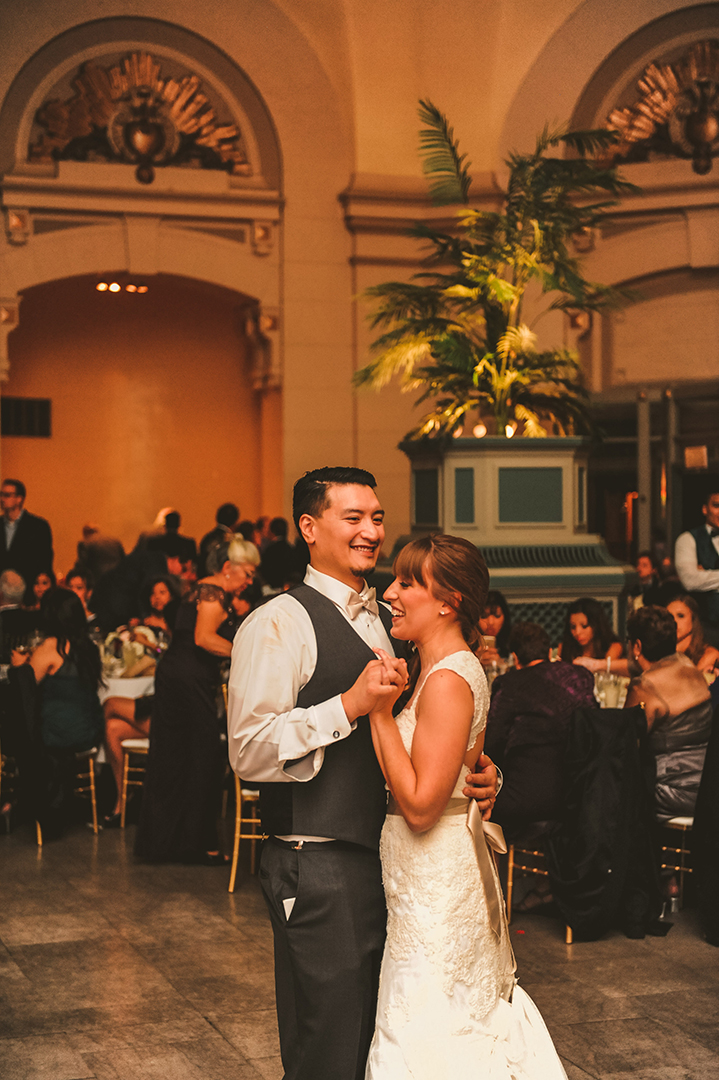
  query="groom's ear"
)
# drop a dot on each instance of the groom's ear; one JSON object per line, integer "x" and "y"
{"x": 307, "y": 528}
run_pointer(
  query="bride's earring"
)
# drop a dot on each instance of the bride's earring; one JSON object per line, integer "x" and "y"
{"x": 442, "y": 612}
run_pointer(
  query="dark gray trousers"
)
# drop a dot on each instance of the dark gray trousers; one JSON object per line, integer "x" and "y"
{"x": 327, "y": 954}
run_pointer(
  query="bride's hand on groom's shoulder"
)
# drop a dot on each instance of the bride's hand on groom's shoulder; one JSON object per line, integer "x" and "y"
{"x": 377, "y": 688}
{"x": 482, "y": 785}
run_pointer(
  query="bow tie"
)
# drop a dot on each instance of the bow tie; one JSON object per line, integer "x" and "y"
{"x": 365, "y": 601}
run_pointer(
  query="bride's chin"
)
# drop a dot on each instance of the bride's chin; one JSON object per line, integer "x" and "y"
{"x": 396, "y": 632}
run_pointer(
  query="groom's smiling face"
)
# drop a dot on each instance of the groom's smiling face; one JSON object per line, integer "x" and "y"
{"x": 345, "y": 540}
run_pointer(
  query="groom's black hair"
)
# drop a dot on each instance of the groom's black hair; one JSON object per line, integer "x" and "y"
{"x": 310, "y": 491}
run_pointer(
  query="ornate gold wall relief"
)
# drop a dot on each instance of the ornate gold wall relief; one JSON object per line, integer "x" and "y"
{"x": 677, "y": 114}
{"x": 128, "y": 113}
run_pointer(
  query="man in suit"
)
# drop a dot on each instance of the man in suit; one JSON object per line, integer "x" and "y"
{"x": 304, "y": 677}
{"x": 25, "y": 538}
{"x": 696, "y": 558}
{"x": 279, "y": 561}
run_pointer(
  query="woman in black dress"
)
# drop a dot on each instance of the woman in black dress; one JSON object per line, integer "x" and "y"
{"x": 180, "y": 803}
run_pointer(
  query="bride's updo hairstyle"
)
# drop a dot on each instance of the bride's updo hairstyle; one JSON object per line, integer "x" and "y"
{"x": 457, "y": 570}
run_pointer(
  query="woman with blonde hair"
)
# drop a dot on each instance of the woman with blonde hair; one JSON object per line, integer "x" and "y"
{"x": 448, "y": 1002}
{"x": 180, "y": 804}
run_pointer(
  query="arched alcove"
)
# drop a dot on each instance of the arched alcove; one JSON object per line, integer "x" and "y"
{"x": 153, "y": 405}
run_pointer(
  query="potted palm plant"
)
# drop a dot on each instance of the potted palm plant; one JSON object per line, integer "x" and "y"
{"x": 456, "y": 331}
{"x": 513, "y": 479}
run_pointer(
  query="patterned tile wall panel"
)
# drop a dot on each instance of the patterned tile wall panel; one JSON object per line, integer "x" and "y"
{"x": 549, "y": 614}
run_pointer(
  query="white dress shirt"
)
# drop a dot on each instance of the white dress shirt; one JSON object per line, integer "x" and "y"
{"x": 10, "y": 527}
{"x": 692, "y": 576}
{"x": 273, "y": 656}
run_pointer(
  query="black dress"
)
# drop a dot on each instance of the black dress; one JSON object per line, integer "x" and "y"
{"x": 181, "y": 796}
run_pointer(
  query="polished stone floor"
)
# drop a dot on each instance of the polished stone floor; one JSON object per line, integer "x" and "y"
{"x": 119, "y": 971}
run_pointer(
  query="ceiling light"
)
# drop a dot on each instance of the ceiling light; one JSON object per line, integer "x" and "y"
{"x": 114, "y": 287}
{"x": 101, "y": 286}
{"x": 508, "y": 431}
{"x": 142, "y": 288}
{"x": 479, "y": 431}
{"x": 131, "y": 288}
{"x": 458, "y": 433}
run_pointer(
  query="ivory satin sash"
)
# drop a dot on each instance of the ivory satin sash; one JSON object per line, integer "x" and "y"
{"x": 485, "y": 835}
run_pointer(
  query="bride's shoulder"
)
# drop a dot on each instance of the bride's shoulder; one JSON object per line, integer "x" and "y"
{"x": 467, "y": 666}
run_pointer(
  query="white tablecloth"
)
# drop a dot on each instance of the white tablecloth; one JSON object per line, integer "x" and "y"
{"x": 129, "y": 688}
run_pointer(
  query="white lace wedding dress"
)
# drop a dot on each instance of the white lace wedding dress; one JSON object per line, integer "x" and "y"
{"x": 449, "y": 1007}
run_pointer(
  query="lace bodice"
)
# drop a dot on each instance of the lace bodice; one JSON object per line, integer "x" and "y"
{"x": 467, "y": 665}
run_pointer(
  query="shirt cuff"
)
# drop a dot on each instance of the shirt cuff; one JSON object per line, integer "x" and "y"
{"x": 500, "y": 779}
{"x": 330, "y": 724}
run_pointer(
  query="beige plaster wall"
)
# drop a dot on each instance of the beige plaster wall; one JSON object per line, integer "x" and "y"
{"x": 152, "y": 406}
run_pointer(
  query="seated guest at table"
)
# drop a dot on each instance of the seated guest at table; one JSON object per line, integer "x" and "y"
{"x": 677, "y": 705}
{"x": 68, "y": 672}
{"x": 587, "y": 633}
{"x": 160, "y": 601}
{"x": 125, "y": 718}
{"x": 647, "y": 590}
{"x": 495, "y": 622}
{"x": 690, "y": 635}
{"x": 44, "y": 581}
{"x": 180, "y": 803}
{"x": 16, "y": 623}
{"x": 80, "y": 582}
{"x": 527, "y": 728}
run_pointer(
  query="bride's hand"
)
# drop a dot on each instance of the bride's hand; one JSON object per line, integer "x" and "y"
{"x": 376, "y": 688}
{"x": 394, "y": 677}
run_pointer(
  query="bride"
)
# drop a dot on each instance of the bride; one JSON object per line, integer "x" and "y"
{"x": 448, "y": 1002}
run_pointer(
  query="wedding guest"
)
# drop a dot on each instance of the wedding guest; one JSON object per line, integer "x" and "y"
{"x": 527, "y": 728}
{"x": 690, "y": 635}
{"x": 648, "y": 589}
{"x": 696, "y": 556}
{"x": 246, "y": 529}
{"x": 80, "y": 583}
{"x": 261, "y": 536}
{"x": 44, "y": 581}
{"x": 226, "y": 520}
{"x": 160, "y": 600}
{"x": 278, "y": 561}
{"x": 677, "y": 705}
{"x": 495, "y": 622}
{"x": 180, "y": 804}
{"x": 68, "y": 672}
{"x": 587, "y": 633}
{"x": 25, "y": 538}
{"x": 171, "y": 542}
{"x": 97, "y": 554}
{"x": 16, "y": 623}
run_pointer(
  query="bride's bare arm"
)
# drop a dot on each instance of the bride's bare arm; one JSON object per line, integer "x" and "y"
{"x": 422, "y": 784}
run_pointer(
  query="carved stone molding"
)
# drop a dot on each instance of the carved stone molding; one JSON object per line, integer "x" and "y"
{"x": 677, "y": 112}
{"x": 262, "y": 326}
{"x": 9, "y": 319}
{"x": 129, "y": 113}
{"x": 18, "y": 225}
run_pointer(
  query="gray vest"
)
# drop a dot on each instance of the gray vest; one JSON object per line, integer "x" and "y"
{"x": 347, "y": 799}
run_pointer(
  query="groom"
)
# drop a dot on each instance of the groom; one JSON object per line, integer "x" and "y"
{"x": 304, "y": 677}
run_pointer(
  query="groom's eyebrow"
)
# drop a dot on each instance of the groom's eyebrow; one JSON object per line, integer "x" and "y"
{"x": 375, "y": 513}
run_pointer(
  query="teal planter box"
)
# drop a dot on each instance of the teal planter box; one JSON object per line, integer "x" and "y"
{"x": 523, "y": 502}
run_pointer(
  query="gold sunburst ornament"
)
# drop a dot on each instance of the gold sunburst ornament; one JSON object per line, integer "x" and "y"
{"x": 678, "y": 109}
{"x": 129, "y": 113}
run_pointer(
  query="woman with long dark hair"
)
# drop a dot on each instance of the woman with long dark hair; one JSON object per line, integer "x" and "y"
{"x": 495, "y": 622}
{"x": 68, "y": 673}
{"x": 588, "y": 633}
{"x": 448, "y": 1000}
{"x": 690, "y": 635}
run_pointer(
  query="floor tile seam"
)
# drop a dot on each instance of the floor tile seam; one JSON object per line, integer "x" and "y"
{"x": 582, "y": 1069}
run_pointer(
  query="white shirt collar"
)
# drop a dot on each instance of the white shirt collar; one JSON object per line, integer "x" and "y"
{"x": 336, "y": 591}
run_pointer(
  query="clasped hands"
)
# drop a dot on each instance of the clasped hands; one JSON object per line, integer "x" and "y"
{"x": 377, "y": 688}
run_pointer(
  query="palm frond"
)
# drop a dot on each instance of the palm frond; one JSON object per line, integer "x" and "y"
{"x": 442, "y": 158}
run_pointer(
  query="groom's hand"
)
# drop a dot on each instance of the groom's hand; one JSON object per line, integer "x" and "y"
{"x": 377, "y": 684}
{"x": 483, "y": 785}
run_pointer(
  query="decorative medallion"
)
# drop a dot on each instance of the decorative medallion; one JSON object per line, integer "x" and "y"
{"x": 128, "y": 113}
{"x": 677, "y": 114}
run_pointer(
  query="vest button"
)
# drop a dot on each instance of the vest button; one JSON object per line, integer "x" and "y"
{"x": 335, "y": 734}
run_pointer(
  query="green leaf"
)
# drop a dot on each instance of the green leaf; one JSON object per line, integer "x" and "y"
{"x": 442, "y": 158}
